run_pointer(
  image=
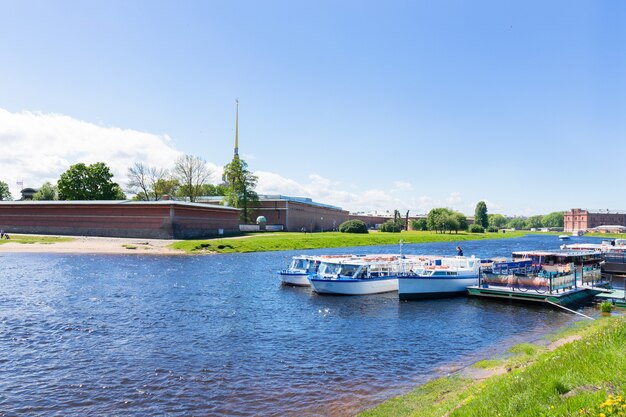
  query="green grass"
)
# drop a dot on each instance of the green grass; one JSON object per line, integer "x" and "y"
{"x": 129, "y": 246}
{"x": 488, "y": 364}
{"x": 262, "y": 242}
{"x": 28, "y": 239}
{"x": 607, "y": 235}
{"x": 573, "y": 380}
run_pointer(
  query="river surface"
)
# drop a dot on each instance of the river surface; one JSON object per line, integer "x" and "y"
{"x": 84, "y": 335}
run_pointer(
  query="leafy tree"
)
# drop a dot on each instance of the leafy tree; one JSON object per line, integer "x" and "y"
{"x": 461, "y": 219}
{"x": 419, "y": 224}
{"x": 444, "y": 219}
{"x": 240, "y": 183}
{"x": 5, "y": 194}
{"x": 353, "y": 226}
{"x": 214, "y": 190}
{"x": 166, "y": 187}
{"x": 47, "y": 192}
{"x": 89, "y": 182}
{"x": 192, "y": 173}
{"x": 517, "y": 223}
{"x": 554, "y": 219}
{"x": 497, "y": 220}
{"x": 480, "y": 214}
{"x": 534, "y": 222}
{"x": 391, "y": 226}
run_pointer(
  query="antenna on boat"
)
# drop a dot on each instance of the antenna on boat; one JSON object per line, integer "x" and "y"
{"x": 401, "y": 248}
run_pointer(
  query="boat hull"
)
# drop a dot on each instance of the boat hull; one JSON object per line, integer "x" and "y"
{"x": 354, "y": 286}
{"x": 295, "y": 279}
{"x": 420, "y": 288}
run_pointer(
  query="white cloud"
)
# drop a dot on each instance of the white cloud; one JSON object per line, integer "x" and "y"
{"x": 402, "y": 186}
{"x": 327, "y": 191}
{"x": 38, "y": 147}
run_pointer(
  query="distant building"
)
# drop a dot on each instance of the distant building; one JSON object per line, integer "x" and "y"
{"x": 293, "y": 214}
{"x": 578, "y": 219}
{"x": 28, "y": 193}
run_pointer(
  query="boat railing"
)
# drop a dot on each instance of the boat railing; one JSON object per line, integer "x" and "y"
{"x": 541, "y": 282}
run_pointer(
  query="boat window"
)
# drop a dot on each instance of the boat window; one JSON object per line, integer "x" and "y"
{"x": 451, "y": 273}
{"x": 348, "y": 270}
{"x": 439, "y": 273}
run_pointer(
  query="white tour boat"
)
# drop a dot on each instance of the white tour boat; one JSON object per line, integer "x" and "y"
{"x": 304, "y": 265}
{"x": 371, "y": 274}
{"x": 443, "y": 277}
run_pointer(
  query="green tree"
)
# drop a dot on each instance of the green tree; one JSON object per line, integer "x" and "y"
{"x": 444, "y": 219}
{"x": 534, "y": 222}
{"x": 166, "y": 186}
{"x": 89, "y": 182}
{"x": 480, "y": 214}
{"x": 192, "y": 173}
{"x": 47, "y": 192}
{"x": 419, "y": 224}
{"x": 516, "y": 223}
{"x": 214, "y": 190}
{"x": 497, "y": 220}
{"x": 461, "y": 221}
{"x": 240, "y": 184}
{"x": 5, "y": 194}
{"x": 554, "y": 219}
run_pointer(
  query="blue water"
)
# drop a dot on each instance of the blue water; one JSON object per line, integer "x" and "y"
{"x": 217, "y": 335}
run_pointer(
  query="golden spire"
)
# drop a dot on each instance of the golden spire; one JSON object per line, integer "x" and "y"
{"x": 237, "y": 129}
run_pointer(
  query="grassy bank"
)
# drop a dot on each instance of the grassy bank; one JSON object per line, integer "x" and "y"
{"x": 607, "y": 235}
{"x": 290, "y": 241}
{"x": 29, "y": 239}
{"x": 585, "y": 377}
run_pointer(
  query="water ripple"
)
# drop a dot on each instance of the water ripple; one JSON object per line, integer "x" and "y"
{"x": 217, "y": 335}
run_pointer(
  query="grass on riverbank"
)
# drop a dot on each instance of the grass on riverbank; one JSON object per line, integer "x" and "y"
{"x": 30, "y": 239}
{"x": 575, "y": 379}
{"x": 262, "y": 242}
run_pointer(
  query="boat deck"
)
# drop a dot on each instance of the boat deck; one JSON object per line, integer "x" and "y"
{"x": 563, "y": 298}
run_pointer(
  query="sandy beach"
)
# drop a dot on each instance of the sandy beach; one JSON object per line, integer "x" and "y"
{"x": 95, "y": 245}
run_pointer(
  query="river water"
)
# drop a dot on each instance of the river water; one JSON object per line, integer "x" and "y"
{"x": 217, "y": 335}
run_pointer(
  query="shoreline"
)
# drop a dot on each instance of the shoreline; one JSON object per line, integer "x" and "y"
{"x": 445, "y": 395}
{"x": 92, "y": 245}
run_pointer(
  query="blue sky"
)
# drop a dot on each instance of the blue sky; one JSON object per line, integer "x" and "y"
{"x": 366, "y": 105}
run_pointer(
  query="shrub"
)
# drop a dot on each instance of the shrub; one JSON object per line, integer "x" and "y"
{"x": 390, "y": 226}
{"x": 476, "y": 228}
{"x": 353, "y": 226}
{"x": 606, "y": 306}
{"x": 492, "y": 229}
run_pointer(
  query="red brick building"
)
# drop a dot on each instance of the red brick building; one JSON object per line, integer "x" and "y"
{"x": 144, "y": 219}
{"x": 296, "y": 214}
{"x": 578, "y": 219}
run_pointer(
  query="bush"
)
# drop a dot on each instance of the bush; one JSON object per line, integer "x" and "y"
{"x": 390, "y": 226}
{"x": 353, "y": 226}
{"x": 476, "y": 228}
{"x": 606, "y": 306}
{"x": 492, "y": 229}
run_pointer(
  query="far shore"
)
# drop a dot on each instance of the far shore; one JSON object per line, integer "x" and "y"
{"x": 87, "y": 245}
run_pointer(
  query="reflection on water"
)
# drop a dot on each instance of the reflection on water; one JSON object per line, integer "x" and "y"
{"x": 218, "y": 335}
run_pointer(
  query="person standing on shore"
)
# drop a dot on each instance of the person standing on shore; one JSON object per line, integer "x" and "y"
{"x": 459, "y": 251}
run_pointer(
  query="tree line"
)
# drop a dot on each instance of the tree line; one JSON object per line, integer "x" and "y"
{"x": 443, "y": 220}
{"x": 188, "y": 179}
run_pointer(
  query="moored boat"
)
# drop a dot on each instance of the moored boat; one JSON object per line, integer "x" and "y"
{"x": 300, "y": 268}
{"x": 360, "y": 276}
{"x": 443, "y": 277}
